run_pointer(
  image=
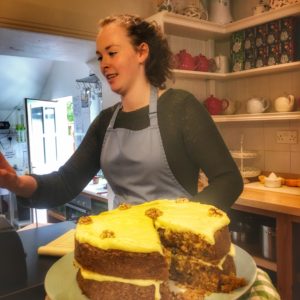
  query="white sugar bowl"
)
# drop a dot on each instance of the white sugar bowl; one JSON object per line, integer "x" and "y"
{"x": 272, "y": 181}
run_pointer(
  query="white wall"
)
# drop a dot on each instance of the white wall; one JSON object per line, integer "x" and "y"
{"x": 21, "y": 77}
{"x": 61, "y": 81}
{"x": 261, "y": 137}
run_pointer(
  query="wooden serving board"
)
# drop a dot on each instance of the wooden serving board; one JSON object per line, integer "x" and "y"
{"x": 62, "y": 245}
{"x": 283, "y": 189}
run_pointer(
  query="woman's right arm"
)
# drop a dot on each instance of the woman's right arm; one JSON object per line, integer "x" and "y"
{"x": 59, "y": 187}
{"x": 24, "y": 186}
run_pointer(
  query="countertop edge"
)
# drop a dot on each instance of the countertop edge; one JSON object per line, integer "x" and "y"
{"x": 274, "y": 202}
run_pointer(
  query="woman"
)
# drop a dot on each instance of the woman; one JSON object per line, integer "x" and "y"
{"x": 150, "y": 145}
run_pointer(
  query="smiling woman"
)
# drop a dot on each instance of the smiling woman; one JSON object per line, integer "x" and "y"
{"x": 150, "y": 145}
{"x": 127, "y": 58}
{"x": 172, "y": 136}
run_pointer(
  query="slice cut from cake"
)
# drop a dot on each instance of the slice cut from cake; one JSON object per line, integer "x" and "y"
{"x": 132, "y": 252}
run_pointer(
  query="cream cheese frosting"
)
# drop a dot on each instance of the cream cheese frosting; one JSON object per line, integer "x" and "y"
{"x": 131, "y": 229}
{"x": 140, "y": 282}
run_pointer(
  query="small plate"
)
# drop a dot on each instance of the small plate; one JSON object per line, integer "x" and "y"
{"x": 243, "y": 154}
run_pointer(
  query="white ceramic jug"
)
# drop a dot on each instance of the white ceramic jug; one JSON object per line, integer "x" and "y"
{"x": 257, "y": 105}
{"x": 284, "y": 104}
{"x": 222, "y": 64}
{"x": 219, "y": 11}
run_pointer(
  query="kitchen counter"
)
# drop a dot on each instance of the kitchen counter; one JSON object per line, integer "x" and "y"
{"x": 99, "y": 192}
{"x": 285, "y": 209}
{"x": 96, "y": 191}
{"x": 275, "y": 202}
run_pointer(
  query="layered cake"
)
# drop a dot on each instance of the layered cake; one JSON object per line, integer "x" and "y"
{"x": 144, "y": 251}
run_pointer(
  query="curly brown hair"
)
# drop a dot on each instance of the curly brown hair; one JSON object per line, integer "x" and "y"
{"x": 159, "y": 63}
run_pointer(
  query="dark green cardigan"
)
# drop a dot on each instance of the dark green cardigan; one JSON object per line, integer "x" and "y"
{"x": 191, "y": 142}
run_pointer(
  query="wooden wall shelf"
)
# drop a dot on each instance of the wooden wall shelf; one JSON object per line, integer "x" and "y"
{"x": 184, "y": 26}
{"x": 273, "y": 14}
{"x": 269, "y": 70}
{"x": 272, "y": 116}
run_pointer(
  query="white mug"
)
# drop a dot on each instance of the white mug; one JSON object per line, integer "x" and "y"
{"x": 222, "y": 64}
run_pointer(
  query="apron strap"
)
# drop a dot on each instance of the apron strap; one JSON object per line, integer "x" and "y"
{"x": 153, "y": 106}
{"x": 114, "y": 116}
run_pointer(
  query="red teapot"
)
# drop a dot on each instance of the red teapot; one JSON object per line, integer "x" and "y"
{"x": 184, "y": 60}
{"x": 215, "y": 106}
{"x": 201, "y": 63}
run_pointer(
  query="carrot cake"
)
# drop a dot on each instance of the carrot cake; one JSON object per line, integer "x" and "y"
{"x": 134, "y": 252}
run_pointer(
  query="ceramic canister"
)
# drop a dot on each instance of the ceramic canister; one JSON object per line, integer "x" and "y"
{"x": 222, "y": 64}
{"x": 219, "y": 11}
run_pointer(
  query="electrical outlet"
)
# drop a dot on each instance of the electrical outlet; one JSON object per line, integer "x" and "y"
{"x": 287, "y": 137}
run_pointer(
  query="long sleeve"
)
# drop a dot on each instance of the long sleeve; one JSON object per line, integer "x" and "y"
{"x": 201, "y": 147}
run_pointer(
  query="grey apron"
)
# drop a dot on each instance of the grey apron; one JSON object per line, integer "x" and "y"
{"x": 134, "y": 162}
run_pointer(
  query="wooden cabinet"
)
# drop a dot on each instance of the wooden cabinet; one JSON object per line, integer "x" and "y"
{"x": 210, "y": 39}
{"x": 247, "y": 230}
{"x": 284, "y": 209}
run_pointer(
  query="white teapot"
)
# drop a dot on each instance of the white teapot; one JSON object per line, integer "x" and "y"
{"x": 284, "y": 103}
{"x": 257, "y": 105}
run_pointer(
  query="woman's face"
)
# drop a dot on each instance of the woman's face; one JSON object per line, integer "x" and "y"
{"x": 120, "y": 63}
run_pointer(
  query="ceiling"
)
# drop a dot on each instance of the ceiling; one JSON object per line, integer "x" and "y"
{"x": 26, "y": 59}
